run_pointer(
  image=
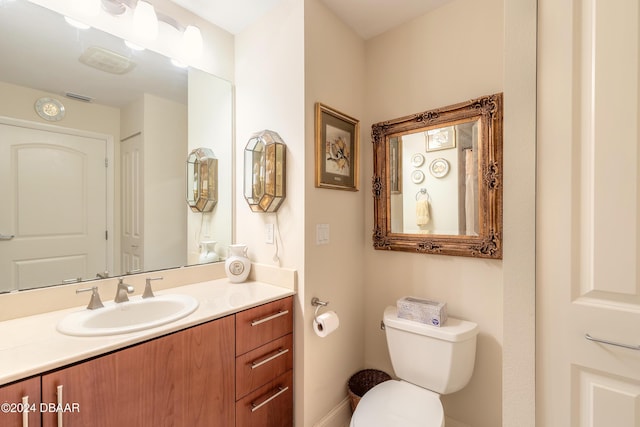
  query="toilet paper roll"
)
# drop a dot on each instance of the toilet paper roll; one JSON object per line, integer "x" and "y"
{"x": 326, "y": 323}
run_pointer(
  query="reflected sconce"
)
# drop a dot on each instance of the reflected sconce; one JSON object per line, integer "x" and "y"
{"x": 202, "y": 180}
{"x": 265, "y": 171}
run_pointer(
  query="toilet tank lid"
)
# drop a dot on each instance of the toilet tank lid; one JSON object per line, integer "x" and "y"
{"x": 454, "y": 330}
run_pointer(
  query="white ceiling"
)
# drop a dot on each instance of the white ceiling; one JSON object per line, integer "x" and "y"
{"x": 368, "y": 18}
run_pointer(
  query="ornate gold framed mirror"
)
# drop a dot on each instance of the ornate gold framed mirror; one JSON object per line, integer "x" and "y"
{"x": 450, "y": 201}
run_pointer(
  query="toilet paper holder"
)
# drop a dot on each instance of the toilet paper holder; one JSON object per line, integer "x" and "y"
{"x": 317, "y": 303}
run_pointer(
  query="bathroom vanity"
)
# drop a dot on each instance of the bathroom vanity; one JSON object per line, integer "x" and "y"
{"x": 230, "y": 368}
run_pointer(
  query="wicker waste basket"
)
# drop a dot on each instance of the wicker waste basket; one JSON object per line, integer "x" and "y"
{"x": 363, "y": 381}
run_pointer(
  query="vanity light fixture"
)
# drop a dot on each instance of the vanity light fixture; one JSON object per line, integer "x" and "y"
{"x": 202, "y": 180}
{"x": 265, "y": 171}
{"x": 192, "y": 42}
{"x": 145, "y": 21}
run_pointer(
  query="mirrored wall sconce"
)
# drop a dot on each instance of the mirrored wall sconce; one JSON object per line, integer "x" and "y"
{"x": 265, "y": 171}
{"x": 202, "y": 180}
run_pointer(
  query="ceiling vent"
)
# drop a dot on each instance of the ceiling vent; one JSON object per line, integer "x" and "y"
{"x": 106, "y": 60}
{"x": 78, "y": 97}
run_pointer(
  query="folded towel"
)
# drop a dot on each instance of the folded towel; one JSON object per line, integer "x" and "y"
{"x": 422, "y": 212}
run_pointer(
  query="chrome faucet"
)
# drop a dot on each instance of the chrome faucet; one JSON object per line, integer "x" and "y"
{"x": 148, "y": 292}
{"x": 122, "y": 291}
{"x": 95, "y": 301}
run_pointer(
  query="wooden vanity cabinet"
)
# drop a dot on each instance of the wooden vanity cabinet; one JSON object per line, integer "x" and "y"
{"x": 233, "y": 371}
{"x": 264, "y": 365}
{"x": 15, "y": 398}
{"x": 181, "y": 379}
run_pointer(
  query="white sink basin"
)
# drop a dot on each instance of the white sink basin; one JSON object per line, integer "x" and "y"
{"x": 134, "y": 315}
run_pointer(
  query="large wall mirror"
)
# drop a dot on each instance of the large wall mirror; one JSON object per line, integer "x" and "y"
{"x": 437, "y": 183}
{"x": 100, "y": 190}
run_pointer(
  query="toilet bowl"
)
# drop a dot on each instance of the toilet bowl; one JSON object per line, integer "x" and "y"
{"x": 399, "y": 404}
{"x": 429, "y": 361}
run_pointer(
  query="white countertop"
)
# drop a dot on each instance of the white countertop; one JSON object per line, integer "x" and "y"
{"x": 32, "y": 345}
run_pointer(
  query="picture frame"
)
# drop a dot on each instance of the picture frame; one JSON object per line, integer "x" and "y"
{"x": 441, "y": 138}
{"x": 337, "y": 143}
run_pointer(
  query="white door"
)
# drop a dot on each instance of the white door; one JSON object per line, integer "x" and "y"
{"x": 588, "y": 214}
{"x": 53, "y": 207}
{"x": 132, "y": 240}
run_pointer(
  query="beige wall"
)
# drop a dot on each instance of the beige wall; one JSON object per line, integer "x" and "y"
{"x": 270, "y": 95}
{"x": 334, "y": 70}
{"x": 433, "y": 61}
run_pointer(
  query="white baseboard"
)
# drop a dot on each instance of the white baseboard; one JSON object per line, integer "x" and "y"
{"x": 340, "y": 416}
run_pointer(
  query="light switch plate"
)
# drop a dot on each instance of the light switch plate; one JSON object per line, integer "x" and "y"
{"x": 268, "y": 233}
{"x": 322, "y": 234}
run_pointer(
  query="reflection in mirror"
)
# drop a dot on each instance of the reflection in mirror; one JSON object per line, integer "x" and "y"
{"x": 100, "y": 191}
{"x": 437, "y": 180}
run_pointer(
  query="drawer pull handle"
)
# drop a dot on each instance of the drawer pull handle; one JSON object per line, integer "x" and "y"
{"x": 255, "y": 364}
{"x": 256, "y": 406}
{"x": 25, "y": 411}
{"x": 266, "y": 319}
{"x": 60, "y": 404}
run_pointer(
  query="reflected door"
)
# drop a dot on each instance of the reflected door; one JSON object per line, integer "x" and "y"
{"x": 132, "y": 161}
{"x": 53, "y": 193}
{"x": 588, "y": 216}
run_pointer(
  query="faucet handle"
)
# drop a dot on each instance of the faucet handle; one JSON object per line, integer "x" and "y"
{"x": 95, "y": 301}
{"x": 148, "y": 292}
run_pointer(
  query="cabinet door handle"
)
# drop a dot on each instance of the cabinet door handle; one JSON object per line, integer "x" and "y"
{"x": 266, "y": 319}
{"x": 255, "y": 364}
{"x": 25, "y": 411}
{"x": 7, "y": 236}
{"x": 256, "y": 406}
{"x": 60, "y": 404}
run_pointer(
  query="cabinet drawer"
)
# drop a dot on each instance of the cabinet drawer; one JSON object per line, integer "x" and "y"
{"x": 265, "y": 363}
{"x": 259, "y": 325}
{"x": 268, "y": 406}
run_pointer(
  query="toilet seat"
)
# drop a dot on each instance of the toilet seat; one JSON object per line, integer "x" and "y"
{"x": 398, "y": 403}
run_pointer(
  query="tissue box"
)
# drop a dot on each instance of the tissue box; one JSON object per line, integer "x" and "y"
{"x": 422, "y": 310}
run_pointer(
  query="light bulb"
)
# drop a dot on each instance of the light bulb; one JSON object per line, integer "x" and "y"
{"x": 192, "y": 42}
{"x": 145, "y": 21}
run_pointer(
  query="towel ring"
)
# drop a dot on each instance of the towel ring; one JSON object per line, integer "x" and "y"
{"x": 423, "y": 191}
{"x": 317, "y": 304}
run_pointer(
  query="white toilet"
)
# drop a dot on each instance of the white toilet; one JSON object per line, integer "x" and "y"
{"x": 429, "y": 361}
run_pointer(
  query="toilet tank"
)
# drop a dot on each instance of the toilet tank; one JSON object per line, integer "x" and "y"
{"x": 440, "y": 359}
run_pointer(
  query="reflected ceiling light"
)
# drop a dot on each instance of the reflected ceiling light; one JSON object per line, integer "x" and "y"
{"x": 178, "y": 63}
{"x": 133, "y": 46}
{"x": 145, "y": 21}
{"x": 192, "y": 42}
{"x": 77, "y": 24}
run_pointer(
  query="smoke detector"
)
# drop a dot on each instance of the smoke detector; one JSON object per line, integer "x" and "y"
{"x": 106, "y": 60}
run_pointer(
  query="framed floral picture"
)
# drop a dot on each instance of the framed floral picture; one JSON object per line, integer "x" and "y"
{"x": 337, "y": 142}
